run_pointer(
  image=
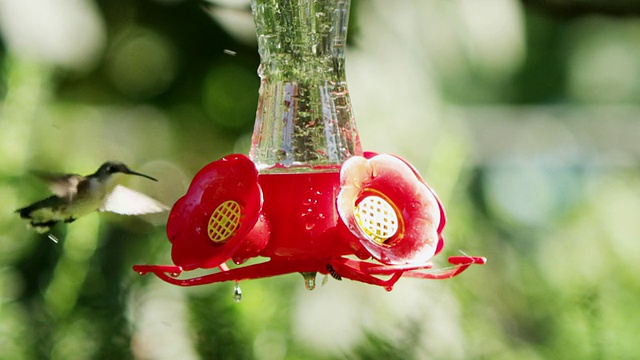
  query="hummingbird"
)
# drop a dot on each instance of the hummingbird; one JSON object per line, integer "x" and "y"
{"x": 76, "y": 195}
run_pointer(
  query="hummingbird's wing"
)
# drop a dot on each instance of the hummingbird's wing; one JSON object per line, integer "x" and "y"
{"x": 125, "y": 201}
{"x": 63, "y": 185}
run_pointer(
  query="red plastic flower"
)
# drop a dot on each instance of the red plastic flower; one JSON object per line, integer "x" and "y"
{"x": 386, "y": 205}
{"x": 208, "y": 224}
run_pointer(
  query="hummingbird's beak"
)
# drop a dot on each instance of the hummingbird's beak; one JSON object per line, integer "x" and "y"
{"x": 130, "y": 172}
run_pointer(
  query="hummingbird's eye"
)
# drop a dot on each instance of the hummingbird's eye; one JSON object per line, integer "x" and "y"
{"x": 110, "y": 169}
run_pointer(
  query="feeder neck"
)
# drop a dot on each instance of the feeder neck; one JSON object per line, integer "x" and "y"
{"x": 304, "y": 118}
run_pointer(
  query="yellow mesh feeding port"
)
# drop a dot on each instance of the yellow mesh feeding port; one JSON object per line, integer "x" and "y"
{"x": 377, "y": 218}
{"x": 224, "y": 221}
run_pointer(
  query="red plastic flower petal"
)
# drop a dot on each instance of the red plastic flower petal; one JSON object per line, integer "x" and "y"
{"x": 385, "y": 203}
{"x": 207, "y": 225}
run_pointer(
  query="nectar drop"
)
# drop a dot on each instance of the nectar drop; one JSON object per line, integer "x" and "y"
{"x": 237, "y": 293}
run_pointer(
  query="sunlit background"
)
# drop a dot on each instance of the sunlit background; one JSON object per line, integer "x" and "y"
{"x": 524, "y": 118}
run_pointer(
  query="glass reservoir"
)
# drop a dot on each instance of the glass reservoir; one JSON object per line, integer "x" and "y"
{"x": 304, "y": 120}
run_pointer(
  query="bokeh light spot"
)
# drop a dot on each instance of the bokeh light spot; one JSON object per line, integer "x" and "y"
{"x": 230, "y": 96}
{"x": 142, "y": 64}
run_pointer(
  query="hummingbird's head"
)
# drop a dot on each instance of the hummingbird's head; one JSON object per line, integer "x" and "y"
{"x": 111, "y": 167}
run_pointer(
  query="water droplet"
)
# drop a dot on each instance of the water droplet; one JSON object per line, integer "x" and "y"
{"x": 175, "y": 274}
{"x": 388, "y": 288}
{"x": 143, "y": 273}
{"x": 237, "y": 293}
{"x": 325, "y": 279}
{"x": 309, "y": 280}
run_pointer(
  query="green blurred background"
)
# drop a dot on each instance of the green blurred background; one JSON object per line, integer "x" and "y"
{"x": 523, "y": 115}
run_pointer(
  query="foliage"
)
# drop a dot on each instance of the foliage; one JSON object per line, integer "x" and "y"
{"x": 524, "y": 122}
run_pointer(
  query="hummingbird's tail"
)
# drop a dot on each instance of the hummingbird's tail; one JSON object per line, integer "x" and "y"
{"x": 25, "y": 212}
{"x": 41, "y": 227}
{"x": 37, "y": 223}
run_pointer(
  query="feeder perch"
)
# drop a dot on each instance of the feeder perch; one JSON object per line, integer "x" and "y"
{"x": 307, "y": 199}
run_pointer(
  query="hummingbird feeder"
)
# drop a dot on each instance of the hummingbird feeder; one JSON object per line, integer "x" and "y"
{"x": 307, "y": 199}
